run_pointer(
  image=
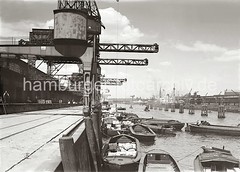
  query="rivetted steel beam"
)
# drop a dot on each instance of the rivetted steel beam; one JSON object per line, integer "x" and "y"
{"x": 134, "y": 62}
{"x": 135, "y": 48}
{"x": 11, "y": 50}
{"x": 46, "y": 53}
{"x": 105, "y": 47}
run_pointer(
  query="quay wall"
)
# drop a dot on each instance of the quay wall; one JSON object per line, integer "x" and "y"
{"x": 75, "y": 152}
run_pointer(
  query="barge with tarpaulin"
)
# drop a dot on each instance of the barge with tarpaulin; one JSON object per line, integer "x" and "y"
{"x": 206, "y": 127}
{"x": 215, "y": 159}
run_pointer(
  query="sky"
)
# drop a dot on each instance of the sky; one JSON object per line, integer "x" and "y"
{"x": 199, "y": 42}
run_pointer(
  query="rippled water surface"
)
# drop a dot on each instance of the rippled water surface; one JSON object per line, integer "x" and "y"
{"x": 185, "y": 146}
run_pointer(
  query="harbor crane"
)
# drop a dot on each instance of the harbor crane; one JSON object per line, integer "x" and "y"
{"x": 75, "y": 39}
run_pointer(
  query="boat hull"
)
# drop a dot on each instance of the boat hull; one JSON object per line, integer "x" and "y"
{"x": 166, "y": 123}
{"x": 111, "y": 133}
{"x": 215, "y": 159}
{"x": 161, "y": 130}
{"x": 221, "y": 130}
{"x": 120, "y": 167}
{"x": 144, "y": 137}
{"x": 121, "y": 162}
{"x": 160, "y": 164}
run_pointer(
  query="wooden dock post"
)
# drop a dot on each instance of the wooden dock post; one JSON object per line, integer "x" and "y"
{"x": 181, "y": 108}
{"x": 172, "y": 107}
{"x": 151, "y": 106}
{"x": 67, "y": 154}
{"x": 221, "y": 111}
{"x": 160, "y": 106}
{"x": 92, "y": 142}
{"x": 204, "y": 110}
{"x": 191, "y": 109}
{"x": 166, "y": 107}
{"x": 99, "y": 127}
{"x": 96, "y": 130}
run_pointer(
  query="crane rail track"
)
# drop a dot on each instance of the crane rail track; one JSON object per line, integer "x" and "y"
{"x": 7, "y": 117}
{"x": 20, "y": 161}
{"x": 25, "y": 122}
{"x": 19, "y": 132}
{"x": 15, "y": 116}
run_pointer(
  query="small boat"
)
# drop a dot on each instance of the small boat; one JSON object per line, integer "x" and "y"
{"x": 121, "y": 153}
{"x": 215, "y": 159}
{"x": 146, "y": 109}
{"x": 142, "y": 133}
{"x": 121, "y": 108}
{"x": 157, "y": 160}
{"x": 206, "y": 127}
{"x": 106, "y": 108}
{"x": 163, "y": 122}
{"x": 160, "y": 129}
{"x": 111, "y": 126}
{"x": 128, "y": 116}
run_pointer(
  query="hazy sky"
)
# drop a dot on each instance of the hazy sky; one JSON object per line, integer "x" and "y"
{"x": 199, "y": 41}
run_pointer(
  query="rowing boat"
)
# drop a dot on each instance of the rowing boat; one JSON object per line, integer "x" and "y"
{"x": 157, "y": 160}
{"x": 121, "y": 153}
{"x": 142, "y": 133}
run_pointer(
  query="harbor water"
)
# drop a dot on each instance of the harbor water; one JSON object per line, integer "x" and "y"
{"x": 185, "y": 146}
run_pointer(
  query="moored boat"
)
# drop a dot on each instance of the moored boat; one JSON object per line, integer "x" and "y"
{"x": 160, "y": 129}
{"x": 215, "y": 159}
{"x": 121, "y": 108}
{"x": 206, "y": 127}
{"x": 112, "y": 126}
{"x": 121, "y": 153}
{"x": 128, "y": 116}
{"x": 163, "y": 122}
{"x": 157, "y": 160}
{"x": 142, "y": 133}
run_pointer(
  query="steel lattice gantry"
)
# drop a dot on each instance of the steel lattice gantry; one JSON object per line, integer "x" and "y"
{"x": 134, "y": 62}
{"x": 137, "y": 48}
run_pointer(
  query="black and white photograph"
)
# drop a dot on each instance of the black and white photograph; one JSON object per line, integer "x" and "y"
{"x": 119, "y": 85}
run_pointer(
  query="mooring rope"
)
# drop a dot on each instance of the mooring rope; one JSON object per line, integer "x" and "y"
{"x": 188, "y": 155}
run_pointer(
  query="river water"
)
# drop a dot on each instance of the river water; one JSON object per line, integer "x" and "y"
{"x": 185, "y": 146}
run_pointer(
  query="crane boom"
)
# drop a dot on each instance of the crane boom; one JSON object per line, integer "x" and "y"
{"x": 134, "y": 62}
{"x": 138, "y": 48}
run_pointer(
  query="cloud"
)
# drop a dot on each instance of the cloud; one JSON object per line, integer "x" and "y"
{"x": 224, "y": 54}
{"x": 200, "y": 47}
{"x": 165, "y": 63}
{"x": 153, "y": 70}
{"x": 21, "y": 29}
{"x": 49, "y": 24}
{"x": 118, "y": 28}
{"x": 229, "y": 56}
